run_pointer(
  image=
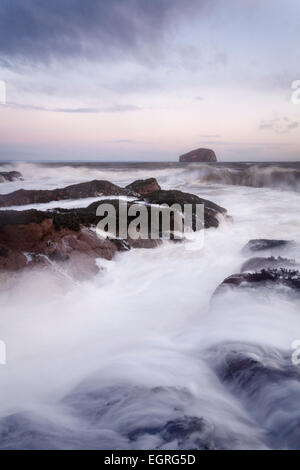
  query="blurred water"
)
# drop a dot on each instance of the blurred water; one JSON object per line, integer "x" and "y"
{"x": 139, "y": 357}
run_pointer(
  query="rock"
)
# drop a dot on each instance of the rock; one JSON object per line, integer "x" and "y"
{"x": 178, "y": 197}
{"x": 256, "y": 264}
{"x": 60, "y": 236}
{"x": 144, "y": 243}
{"x": 248, "y": 367}
{"x": 58, "y": 256}
{"x": 11, "y": 260}
{"x": 68, "y": 235}
{"x": 144, "y": 187}
{"x": 265, "y": 244}
{"x": 73, "y": 218}
{"x": 267, "y": 384}
{"x": 75, "y": 191}
{"x": 37, "y": 234}
{"x": 170, "y": 197}
{"x": 265, "y": 278}
{"x": 189, "y": 432}
{"x": 199, "y": 155}
{"x": 10, "y": 176}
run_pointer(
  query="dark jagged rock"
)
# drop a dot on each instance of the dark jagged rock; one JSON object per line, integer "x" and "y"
{"x": 68, "y": 235}
{"x": 31, "y": 216}
{"x": 170, "y": 197}
{"x": 178, "y": 197}
{"x": 10, "y": 176}
{"x": 62, "y": 235}
{"x": 189, "y": 431}
{"x": 256, "y": 264}
{"x": 73, "y": 218}
{"x": 248, "y": 367}
{"x": 75, "y": 191}
{"x": 266, "y": 277}
{"x": 39, "y": 233}
{"x": 52, "y": 231}
{"x": 58, "y": 256}
{"x": 265, "y": 244}
{"x": 144, "y": 187}
{"x": 199, "y": 155}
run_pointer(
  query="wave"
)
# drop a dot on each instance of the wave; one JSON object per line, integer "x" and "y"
{"x": 282, "y": 176}
{"x": 139, "y": 357}
{"x": 257, "y": 176}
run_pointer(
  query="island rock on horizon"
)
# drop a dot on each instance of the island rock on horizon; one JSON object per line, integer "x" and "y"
{"x": 199, "y": 155}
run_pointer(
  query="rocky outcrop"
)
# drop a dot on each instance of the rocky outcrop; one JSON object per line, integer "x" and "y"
{"x": 75, "y": 191}
{"x": 10, "y": 176}
{"x": 30, "y": 237}
{"x": 144, "y": 187}
{"x": 257, "y": 264}
{"x": 262, "y": 244}
{"x": 74, "y": 218}
{"x": 212, "y": 211}
{"x": 269, "y": 272}
{"x": 271, "y": 278}
{"x": 199, "y": 155}
{"x": 68, "y": 235}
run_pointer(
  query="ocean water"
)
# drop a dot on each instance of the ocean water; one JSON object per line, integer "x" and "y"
{"x": 142, "y": 356}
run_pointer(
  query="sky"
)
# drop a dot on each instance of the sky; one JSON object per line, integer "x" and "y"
{"x": 148, "y": 80}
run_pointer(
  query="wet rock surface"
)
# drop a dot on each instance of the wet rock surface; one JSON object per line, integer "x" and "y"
{"x": 25, "y": 236}
{"x": 75, "y": 191}
{"x": 266, "y": 244}
{"x": 265, "y": 277}
{"x": 273, "y": 272}
{"x": 69, "y": 236}
{"x": 144, "y": 187}
{"x": 10, "y": 176}
{"x": 257, "y": 264}
{"x": 170, "y": 197}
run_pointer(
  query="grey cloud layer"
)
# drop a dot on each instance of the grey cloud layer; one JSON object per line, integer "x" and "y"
{"x": 40, "y": 30}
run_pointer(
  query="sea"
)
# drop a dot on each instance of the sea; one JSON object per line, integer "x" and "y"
{"x": 144, "y": 355}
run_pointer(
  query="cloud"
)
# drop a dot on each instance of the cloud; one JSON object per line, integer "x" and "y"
{"x": 279, "y": 125}
{"x": 110, "y": 109}
{"x": 39, "y": 31}
{"x": 221, "y": 58}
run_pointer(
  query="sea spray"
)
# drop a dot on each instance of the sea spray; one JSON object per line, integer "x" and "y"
{"x": 137, "y": 356}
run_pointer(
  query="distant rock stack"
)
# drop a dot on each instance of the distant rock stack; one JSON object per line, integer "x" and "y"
{"x": 199, "y": 155}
